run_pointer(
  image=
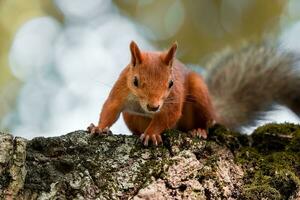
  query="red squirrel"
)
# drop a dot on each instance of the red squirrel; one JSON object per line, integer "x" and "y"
{"x": 156, "y": 92}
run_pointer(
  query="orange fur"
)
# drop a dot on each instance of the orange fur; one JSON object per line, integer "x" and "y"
{"x": 186, "y": 105}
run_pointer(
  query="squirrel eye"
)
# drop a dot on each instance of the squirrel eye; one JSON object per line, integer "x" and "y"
{"x": 171, "y": 83}
{"x": 135, "y": 82}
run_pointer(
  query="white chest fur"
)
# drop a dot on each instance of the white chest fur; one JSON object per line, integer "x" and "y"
{"x": 133, "y": 106}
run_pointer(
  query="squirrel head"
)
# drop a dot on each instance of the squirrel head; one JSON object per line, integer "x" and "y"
{"x": 150, "y": 78}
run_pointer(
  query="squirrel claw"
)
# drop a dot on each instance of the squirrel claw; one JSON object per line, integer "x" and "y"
{"x": 96, "y": 130}
{"x": 199, "y": 132}
{"x": 156, "y": 139}
{"x": 144, "y": 138}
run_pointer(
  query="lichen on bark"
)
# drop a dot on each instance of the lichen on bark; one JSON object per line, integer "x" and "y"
{"x": 228, "y": 165}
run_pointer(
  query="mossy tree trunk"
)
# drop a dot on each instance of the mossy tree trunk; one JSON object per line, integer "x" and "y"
{"x": 226, "y": 166}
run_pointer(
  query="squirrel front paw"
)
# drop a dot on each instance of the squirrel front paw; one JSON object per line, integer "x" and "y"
{"x": 155, "y": 138}
{"x": 96, "y": 130}
{"x": 199, "y": 132}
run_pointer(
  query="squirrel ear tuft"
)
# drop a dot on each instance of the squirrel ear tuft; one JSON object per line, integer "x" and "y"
{"x": 136, "y": 56}
{"x": 170, "y": 55}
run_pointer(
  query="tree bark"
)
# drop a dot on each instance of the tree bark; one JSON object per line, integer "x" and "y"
{"x": 228, "y": 165}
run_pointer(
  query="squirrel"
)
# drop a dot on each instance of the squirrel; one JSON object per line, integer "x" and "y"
{"x": 156, "y": 92}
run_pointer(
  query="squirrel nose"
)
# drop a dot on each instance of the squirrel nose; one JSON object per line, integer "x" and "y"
{"x": 152, "y": 108}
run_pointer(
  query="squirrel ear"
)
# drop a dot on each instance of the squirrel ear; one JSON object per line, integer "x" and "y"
{"x": 170, "y": 55}
{"x": 136, "y": 56}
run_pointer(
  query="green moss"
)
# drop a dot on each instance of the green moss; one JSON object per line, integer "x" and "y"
{"x": 277, "y": 129}
{"x": 260, "y": 192}
{"x": 223, "y": 136}
{"x": 274, "y": 137}
{"x": 285, "y": 181}
{"x": 272, "y": 163}
{"x": 295, "y": 142}
{"x": 155, "y": 158}
{"x": 174, "y": 138}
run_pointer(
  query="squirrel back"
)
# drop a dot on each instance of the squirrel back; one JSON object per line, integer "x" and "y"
{"x": 245, "y": 83}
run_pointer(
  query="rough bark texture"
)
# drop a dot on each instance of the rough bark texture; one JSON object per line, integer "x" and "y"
{"x": 226, "y": 166}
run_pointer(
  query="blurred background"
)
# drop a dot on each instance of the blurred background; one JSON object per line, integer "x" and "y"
{"x": 59, "y": 58}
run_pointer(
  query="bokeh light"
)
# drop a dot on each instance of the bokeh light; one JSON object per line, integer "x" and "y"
{"x": 68, "y": 69}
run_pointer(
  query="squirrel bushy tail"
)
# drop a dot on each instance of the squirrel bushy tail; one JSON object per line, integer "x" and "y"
{"x": 246, "y": 82}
